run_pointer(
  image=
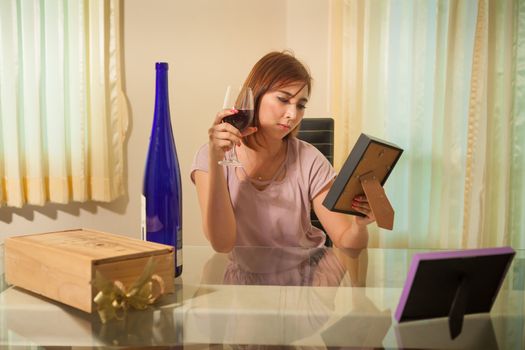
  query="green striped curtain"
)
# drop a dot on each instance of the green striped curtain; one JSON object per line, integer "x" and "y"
{"x": 495, "y": 191}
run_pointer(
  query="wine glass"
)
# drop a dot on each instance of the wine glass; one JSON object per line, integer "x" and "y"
{"x": 240, "y": 99}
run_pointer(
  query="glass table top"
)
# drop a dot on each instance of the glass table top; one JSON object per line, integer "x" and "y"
{"x": 259, "y": 297}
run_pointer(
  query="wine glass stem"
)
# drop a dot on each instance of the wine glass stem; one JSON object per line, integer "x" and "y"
{"x": 233, "y": 155}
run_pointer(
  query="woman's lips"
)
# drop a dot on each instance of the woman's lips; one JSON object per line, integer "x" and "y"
{"x": 285, "y": 126}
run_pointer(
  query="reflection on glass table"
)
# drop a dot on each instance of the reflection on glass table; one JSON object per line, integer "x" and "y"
{"x": 258, "y": 297}
{"x": 302, "y": 312}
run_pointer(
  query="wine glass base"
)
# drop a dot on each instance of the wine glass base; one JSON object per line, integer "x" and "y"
{"x": 229, "y": 162}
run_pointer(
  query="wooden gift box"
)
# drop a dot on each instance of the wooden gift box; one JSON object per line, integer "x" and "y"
{"x": 61, "y": 265}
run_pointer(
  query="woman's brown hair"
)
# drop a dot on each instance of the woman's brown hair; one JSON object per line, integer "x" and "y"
{"x": 273, "y": 71}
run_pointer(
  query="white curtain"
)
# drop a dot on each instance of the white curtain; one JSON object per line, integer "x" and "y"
{"x": 443, "y": 80}
{"x": 63, "y": 114}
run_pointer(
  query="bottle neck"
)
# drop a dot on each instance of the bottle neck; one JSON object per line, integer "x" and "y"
{"x": 162, "y": 105}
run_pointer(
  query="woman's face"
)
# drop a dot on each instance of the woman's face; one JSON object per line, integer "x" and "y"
{"x": 282, "y": 110}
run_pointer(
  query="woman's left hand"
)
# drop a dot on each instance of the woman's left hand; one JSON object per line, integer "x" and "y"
{"x": 361, "y": 205}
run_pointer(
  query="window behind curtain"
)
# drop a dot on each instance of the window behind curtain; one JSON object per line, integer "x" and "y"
{"x": 445, "y": 81}
{"x": 63, "y": 114}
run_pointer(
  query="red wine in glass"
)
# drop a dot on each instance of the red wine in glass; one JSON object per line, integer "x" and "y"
{"x": 241, "y": 119}
{"x": 242, "y": 101}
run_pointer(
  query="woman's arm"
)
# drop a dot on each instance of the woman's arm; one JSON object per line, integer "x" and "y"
{"x": 346, "y": 231}
{"x": 218, "y": 218}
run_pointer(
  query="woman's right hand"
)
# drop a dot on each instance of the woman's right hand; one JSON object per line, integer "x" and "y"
{"x": 223, "y": 136}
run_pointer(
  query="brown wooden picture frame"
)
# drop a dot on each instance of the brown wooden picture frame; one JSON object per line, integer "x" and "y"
{"x": 365, "y": 171}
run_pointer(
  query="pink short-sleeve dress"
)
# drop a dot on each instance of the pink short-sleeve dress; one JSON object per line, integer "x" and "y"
{"x": 278, "y": 215}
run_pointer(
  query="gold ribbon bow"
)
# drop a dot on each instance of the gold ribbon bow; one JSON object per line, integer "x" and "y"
{"x": 113, "y": 300}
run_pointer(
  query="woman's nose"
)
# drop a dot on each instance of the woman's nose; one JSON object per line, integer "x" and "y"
{"x": 291, "y": 112}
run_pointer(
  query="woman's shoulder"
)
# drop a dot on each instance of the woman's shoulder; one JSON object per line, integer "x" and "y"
{"x": 202, "y": 151}
{"x": 305, "y": 149}
{"x": 200, "y": 160}
{"x": 313, "y": 166}
{"x": 204, "y": 147}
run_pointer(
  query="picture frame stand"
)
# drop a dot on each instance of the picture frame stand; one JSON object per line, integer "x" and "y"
{"x": 378, "y": 200}
{"x": 458, "y": 308}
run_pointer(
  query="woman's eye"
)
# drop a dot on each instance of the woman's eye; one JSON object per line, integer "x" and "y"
{"x": 282, "y": 99}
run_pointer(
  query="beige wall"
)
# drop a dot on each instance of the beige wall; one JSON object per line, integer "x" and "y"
{"x": 207, "y": 43}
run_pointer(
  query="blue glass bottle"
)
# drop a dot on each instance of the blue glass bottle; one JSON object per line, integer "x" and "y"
{"x": 162, "y": 191}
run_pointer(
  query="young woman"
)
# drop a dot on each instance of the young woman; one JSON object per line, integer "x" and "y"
{"x": 267, "y": 202}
